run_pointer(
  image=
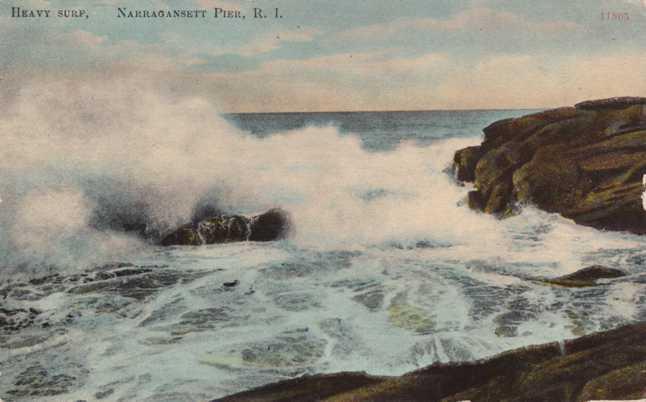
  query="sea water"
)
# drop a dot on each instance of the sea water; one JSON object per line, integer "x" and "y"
{"x": 385, "y": 270}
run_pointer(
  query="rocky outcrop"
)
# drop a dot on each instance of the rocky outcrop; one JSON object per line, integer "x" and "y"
{"x": 587, "y": 276}
{"x": 271, "y": 225}
{"x": 607, "y": 365}
{"x": 585, "y": 162}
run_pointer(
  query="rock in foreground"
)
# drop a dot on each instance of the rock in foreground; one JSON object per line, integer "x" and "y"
{"x": 585, "y": 162}
{"x": 607, "y": 365}
{"x": 272, "y": 225}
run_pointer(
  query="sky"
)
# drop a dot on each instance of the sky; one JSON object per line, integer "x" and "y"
{"x": 332, "y": 55}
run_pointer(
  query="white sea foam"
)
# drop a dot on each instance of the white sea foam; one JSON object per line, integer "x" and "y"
{"x": 386, "y": 270}
{"x": 80, "y": 159}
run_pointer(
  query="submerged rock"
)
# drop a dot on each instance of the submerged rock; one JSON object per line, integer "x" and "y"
{"x": 271, "y": 225}
{"x": 587, "y": 276}
{"x": 13, "y": 320}
{"x": 606, "y": 365}
{"x": 584, "y": 162}
{"x": 136, "y": 283}
{"x": 36, "y": 381}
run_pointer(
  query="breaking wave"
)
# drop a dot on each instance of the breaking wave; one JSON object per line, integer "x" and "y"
{"x": 89, "y": 167}
{"x": 385, "y": 269}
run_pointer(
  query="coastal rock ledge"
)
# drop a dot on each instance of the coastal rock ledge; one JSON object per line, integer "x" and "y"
{"x": 602, "y": 366}
{"x": 585, "y": 162}
{"x": 271, "y": 225}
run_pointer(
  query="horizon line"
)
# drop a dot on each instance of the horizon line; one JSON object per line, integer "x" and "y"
{"x": 393, "y": 111}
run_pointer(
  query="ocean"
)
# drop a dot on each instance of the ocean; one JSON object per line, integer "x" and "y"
{"x": 386, "y": 269}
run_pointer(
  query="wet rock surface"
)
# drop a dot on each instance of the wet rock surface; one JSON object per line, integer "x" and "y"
{"x": 606, "y": 365}
{"x": 271, "y": 225}
{"x": 584, "y": 162}
{"x": 588, "y": 276}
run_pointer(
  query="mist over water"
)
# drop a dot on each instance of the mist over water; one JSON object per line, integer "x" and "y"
{"x": 84, "y": 163}
{"x": 386, "y": 270}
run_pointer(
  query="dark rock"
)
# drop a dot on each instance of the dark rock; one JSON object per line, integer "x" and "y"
{"x": 307, "y": 388}
{"x": 474, "y": 200}
{"x": 584, "y": 162}
{"x": 231, "y": 284}
{"x": 611, "y": 103}
{"x": 465, "y": 161}
{"x": 186, "y": 235}
{"x": 587, "y": 276}
{"x": 223, "y": 229}
{"x": 602, "y": 366}
{"x": 272, "y": 225}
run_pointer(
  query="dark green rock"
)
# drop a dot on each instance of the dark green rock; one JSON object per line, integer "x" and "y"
{"x": 465, "y": 161}
{"x": 608, "y": 365}
{"x": 587, "y": 276}
{"x": 584, "y": 162}
{"x": 271, "y": 225}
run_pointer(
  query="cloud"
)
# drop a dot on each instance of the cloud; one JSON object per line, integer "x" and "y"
{"x": 480, "y": 18}
{"x": 361, "y": 65}
{"x": 348, "y": 81}
{"x": 482, "y": 57}
{"x": 370, "y": 80}
{"x": 507, "y": 81}
{"x": 381, "y": 81}
{"x": 86, "y": 38}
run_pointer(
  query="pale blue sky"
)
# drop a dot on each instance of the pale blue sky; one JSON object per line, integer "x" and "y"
{"x": 350, "y": 55}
